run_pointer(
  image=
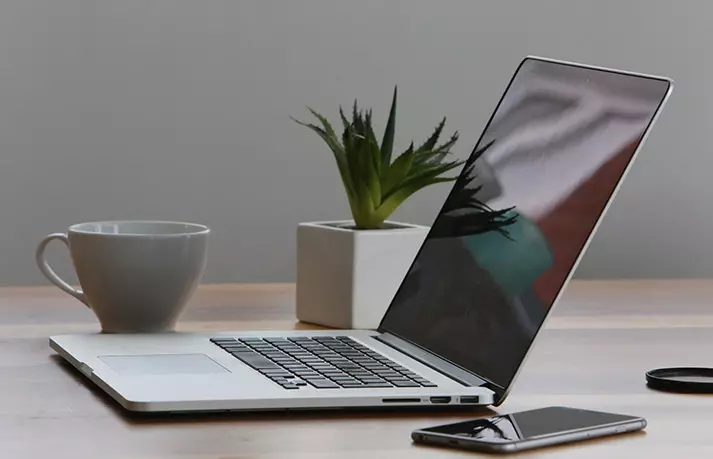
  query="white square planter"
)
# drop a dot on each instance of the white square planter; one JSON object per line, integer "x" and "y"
{"x": 347, "y": 278}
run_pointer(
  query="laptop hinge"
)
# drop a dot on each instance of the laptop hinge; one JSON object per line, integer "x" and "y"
{"x": 431, "y": 360}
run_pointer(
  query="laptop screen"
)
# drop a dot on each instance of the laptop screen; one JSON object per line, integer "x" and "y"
{"x": 520, "y": 213}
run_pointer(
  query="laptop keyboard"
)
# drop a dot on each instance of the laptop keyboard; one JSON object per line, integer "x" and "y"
{"x": 320, "y": 362}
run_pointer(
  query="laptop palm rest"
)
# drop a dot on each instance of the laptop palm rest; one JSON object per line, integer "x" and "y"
{"x": 162, "y": 364}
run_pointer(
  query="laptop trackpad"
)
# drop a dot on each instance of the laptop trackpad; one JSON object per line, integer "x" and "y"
{"x": 162, "y": 364}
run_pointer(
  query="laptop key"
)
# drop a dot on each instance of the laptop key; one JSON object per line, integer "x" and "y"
{"x": 348, "y": 368}
{"x": 323, "y": 384}
{"x": 287, "y": 349}
{"x": 371, "y": 378}
{"x": 254, "y": 359}
{"x": 405, "y": 384}
{"x": 308, "y": 371}
{"x": 410, "y": 374}
{"x": 283, "y": 380}
{"x": 361, "y": 374}
{"x": 371, "y": 366}
{"x": 274, "y": 371}
{"x": 352, "y": 384}
{"x": 322, "y": 369}
{"x": 393, "y": 365}
{"x": 314, "y": 376}
{"x": 238, "y": 348}
{"x": 376, "y": 384}
{"x": 222, "y": 339}
{"x": 300, "y": 355}
{"x": 361, "y": 348}
{"x": 387, "y": 374}
{"x": 289, "y": 386}
{"x": 325, "y": 352}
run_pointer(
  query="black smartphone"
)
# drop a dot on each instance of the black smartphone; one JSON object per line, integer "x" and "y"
{"x": 514, "y": 432}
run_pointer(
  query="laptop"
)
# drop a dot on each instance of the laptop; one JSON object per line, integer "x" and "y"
{"x": 496, "y": 259}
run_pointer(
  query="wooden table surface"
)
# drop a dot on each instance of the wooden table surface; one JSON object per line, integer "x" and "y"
{"x": 593, "y": 354}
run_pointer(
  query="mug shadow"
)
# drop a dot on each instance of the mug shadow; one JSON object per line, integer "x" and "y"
{"x": 366, "y": 414}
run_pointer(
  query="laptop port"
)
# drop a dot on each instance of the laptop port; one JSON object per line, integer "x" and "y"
{"x": 442, "y": 399}
{"x": 401, "y": 400}
{"x": 470, "y": 399}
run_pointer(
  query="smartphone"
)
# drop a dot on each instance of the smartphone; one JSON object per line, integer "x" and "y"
{"x": 514, "y": 432}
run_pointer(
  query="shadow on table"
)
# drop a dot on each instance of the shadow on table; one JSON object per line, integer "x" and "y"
{"x": 267, "y": 416}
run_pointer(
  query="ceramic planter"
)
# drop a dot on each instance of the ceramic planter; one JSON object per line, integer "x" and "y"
{"x": 347, "y": 278}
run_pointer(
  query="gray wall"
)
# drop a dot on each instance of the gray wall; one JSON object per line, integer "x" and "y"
{"x": 178, "y": 109}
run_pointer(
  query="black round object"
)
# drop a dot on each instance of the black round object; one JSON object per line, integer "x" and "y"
{"x": 689, "y": 380}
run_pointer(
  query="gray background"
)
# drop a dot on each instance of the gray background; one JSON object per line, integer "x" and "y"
{"x": 179, "y": 109}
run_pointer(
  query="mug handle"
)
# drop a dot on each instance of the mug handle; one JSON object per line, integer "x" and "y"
{"x": 49, "y": 272}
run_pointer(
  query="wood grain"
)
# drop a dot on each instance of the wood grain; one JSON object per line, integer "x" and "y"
{"x": 601, "y": 339}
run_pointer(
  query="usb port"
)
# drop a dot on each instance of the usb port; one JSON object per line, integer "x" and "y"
{"x": 470, "y": 399}
{"x": 440, "y": 399}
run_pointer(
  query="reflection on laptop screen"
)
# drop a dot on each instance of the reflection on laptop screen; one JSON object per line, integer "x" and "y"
{"x": 520, "y": 213}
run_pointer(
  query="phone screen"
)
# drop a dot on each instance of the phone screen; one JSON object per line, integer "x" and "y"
{"x": 529, "y": 424}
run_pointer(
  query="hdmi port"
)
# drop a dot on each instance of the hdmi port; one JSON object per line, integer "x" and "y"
{"x": 440, "y": 400}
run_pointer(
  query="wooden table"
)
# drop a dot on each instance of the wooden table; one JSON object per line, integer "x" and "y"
{"x": 599, "y": 343}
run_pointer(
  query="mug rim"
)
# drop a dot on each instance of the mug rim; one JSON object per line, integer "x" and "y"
{"x": 192, "y": 229}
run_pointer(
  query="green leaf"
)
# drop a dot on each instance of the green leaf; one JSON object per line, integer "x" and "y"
{"x": 327, "y": 127}
{"x": 423, "y": 173}
{"x": 374, "y": 151}
{"x": 390, "y": 204}
{"x": 357, "y": 121}
{"x": 339, "y": 154}
{"x": 345, "y": 121}
{"x": 438, "y": 154}
{"x": 387, "y": 144}
{"x": 351, "y": 154}
{"x": 446, "y": 147}
{"x": 397, "y": 171}
{"x": 431, "y": 141}
{"x": 371, "y": 175}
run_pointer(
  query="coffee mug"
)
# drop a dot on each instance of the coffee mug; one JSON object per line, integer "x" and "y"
{"x": 135, "y": 275}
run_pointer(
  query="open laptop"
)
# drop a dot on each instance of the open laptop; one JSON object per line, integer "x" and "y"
{"x": 461, "y": 324}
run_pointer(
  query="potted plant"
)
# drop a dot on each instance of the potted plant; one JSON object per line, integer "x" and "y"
{"x": 349, "y": 270}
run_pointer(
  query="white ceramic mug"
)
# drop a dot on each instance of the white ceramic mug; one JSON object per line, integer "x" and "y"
{"x": 135, "y": 275}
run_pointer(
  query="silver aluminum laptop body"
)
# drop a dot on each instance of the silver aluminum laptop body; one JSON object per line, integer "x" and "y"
{"x": 203, "y": 377}
{"x": 560, "y": 101}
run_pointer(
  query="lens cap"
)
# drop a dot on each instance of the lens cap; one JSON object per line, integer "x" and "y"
{"x": 689, "y": 380}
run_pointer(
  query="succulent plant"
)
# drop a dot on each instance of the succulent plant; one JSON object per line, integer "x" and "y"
{"x": 375, "y": 185}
